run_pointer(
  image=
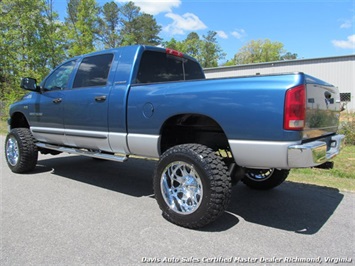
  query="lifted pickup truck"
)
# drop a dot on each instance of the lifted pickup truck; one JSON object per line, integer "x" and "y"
{"x": 156, "y": 103}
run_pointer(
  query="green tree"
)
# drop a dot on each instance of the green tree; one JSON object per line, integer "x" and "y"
{"x": 82, "y": 26}
{"x": 54, "y": 38}
{"x": 211, "y": 51}
{"x": 229, "y": 63}
{"x": 110, "y": 26}
{"x": 258, "y": 51}
{"x": 127, "y": 25}
{"x": 193, "y": 45}
{"x": 174, "y": 44}
{"x": 72, "y": 11}
{"x": 207, "y": 50}
{"x": 289, "y": 56}
{"x": 147, "y": 30}
{"x": 138, "y": 27}
{"x": 31, "y": 42}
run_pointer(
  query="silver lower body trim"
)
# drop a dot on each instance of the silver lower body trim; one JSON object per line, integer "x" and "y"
{"x": 47, "y": 134}
{"x": 118, "y": 142}
{"x": 88, "y": 139}
{"x": 144, "y": 145}
{"x": 260, "y": 154}
{"x": 136, "y": 144}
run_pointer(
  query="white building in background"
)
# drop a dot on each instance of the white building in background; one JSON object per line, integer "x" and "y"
{"x": 338, "y": 70}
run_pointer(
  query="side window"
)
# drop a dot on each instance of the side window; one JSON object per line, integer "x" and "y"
{"x": 93, "y": 71}
{"x": 60, "y": 77}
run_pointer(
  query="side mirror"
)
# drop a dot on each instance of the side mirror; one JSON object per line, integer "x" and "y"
{"x": 29, "y": 84}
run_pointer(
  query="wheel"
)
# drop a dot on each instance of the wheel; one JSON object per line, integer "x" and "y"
{"x": 264, "y": 179}
{"x": 191, "y": 185}
{"x": 20, "y": 150}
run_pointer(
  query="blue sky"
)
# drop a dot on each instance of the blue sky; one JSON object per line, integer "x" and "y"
{"x": 313, "y": 28}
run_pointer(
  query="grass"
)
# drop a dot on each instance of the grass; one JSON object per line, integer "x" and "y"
{"x": 3, "y": 127}
{"x": 342, "y": 176}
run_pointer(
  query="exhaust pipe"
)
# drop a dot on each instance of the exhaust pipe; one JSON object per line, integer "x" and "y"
{"x": 326, "y": 165}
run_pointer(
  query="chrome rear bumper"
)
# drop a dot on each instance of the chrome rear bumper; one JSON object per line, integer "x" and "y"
{"x": 314, "y": 153}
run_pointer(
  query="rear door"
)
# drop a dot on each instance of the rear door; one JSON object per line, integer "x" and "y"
{"x": 86, "y": 104}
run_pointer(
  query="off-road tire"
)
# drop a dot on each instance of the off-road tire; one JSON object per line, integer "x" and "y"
{"x": 264, "y": 179}
{"x": 210, "y": 173}
{"x": 21, "y": 152}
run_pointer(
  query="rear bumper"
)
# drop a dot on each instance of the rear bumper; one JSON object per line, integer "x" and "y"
{"x": 285, "y": 155}
{"x": 314, "y": 153}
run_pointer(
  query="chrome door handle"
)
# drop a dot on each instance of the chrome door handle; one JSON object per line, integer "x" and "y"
{"x": 58, "y": 100}
{"x": 100, "y": 98}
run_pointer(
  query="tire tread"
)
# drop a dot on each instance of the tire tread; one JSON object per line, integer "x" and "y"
{"x": 28, "y": 151}
{"x": 220, "y": 184}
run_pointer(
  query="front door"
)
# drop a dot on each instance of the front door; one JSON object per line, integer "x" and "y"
{"x": 47, "y": 114}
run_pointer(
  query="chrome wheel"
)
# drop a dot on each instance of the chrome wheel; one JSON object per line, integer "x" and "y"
{"x": 181, "y": 187}
{"x": 260, "y": 174}
{"x": 264, "y": 179}
{"x": 20, "y": 150}
{"x": 191, "y": 185}
{"x": 12, "y": 151}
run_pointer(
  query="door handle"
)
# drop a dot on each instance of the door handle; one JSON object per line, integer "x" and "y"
{"x": 100, "y": 98}
{"x": 57, "y": 100}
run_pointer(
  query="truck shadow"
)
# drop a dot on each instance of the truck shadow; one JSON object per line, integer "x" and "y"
{"x": 300, "y": 208}
{"x": 134, "y": 177}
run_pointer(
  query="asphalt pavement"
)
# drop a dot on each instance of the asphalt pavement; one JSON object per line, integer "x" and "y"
{"x": 74, "y": 210}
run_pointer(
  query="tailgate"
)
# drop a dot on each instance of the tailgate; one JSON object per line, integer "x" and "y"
{"x": 323, "y": 108}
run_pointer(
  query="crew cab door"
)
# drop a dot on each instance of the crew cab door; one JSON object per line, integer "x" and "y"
{"x": 47, "y": 113}
{"x": 86, "y": 104}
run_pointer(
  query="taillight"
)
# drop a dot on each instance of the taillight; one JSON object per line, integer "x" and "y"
{"x": 174, "y": 52}
{"x": 295, "y": 108}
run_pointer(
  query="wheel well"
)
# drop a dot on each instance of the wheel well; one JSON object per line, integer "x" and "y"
{"x": 192, "y": 128}
{"x": 18, "y": 120}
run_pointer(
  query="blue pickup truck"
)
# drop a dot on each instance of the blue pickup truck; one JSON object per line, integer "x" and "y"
{"x": 156, "y": 103}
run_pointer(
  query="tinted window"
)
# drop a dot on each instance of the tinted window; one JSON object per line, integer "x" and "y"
{"x": 193, "y": 70}
{"x": 160, "y": 67}
{"x": 93, "y": 71}
{"x": 60, "y": 77}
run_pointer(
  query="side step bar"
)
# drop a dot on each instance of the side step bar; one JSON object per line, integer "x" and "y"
{"x": 94, "y": 154}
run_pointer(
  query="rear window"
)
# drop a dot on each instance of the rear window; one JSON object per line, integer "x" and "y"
{"x": 93, "y": 71}
{"x": 161, "y": 67}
